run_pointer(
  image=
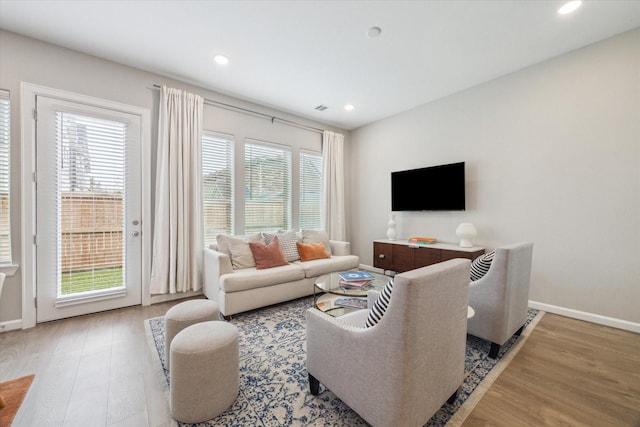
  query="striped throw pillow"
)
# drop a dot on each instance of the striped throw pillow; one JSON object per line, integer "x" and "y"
{"x": 380, "y": 306}
{"x": 480, "y": 266}
{"x": 287, "y": 243}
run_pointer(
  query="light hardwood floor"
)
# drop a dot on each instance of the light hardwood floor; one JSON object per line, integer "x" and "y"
{"x": 97, "y": 370}
{"x": 93, "y": 370}
{"x": 568, "y": 373}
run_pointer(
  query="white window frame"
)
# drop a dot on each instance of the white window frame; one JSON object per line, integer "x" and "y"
{"x": 301, "y": 175}
{"x": 230, "y": 146}
{"x": 6, "y": 265}
{"x": 289, "y": 202}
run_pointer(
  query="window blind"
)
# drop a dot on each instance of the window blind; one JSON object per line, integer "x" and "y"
{"x": 5, "y": 140}
{"x": 267, "y": 187}
{"x": 90, "y": 185}
{"x": 217, "y": 186}
{"x": 310, "y": 197}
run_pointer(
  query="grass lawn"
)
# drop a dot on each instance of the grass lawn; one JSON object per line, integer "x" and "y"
{"x": 82, "y": 281}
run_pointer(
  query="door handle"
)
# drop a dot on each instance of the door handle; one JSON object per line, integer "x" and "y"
{"x": 135, "y": 233}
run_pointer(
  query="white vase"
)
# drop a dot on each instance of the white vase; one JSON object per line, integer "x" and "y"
{"x": 391, "y": 231}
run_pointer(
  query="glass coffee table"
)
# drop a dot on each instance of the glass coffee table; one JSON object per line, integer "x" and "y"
{"x": 328, "y": 288}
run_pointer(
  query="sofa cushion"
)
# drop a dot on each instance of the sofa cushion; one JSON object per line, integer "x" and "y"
{"x": 317, "y": 236}
{"x": 309, "y": 251}
{"x": 380, "y": 305}
{"x": 241, "y": 255}
{"x": 288, "y": 241}
{"x": 481, "y": 265}
{"x": 251, "y": 278}
{"x": 268, "y": 255}
{"x": 222, "y": 242}
{"x": 318, "y": 267}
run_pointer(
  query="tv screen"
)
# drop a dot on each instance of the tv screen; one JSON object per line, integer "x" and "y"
{"x": 434, "y": 188}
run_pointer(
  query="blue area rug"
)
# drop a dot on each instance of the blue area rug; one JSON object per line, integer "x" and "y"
{"x": 274, "y": 387}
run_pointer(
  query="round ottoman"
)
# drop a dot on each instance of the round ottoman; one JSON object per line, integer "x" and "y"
{"x": 186, "y": 314}
{"x": 204, "y": 371}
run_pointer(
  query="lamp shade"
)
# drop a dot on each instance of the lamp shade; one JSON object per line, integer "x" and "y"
{"x": 466, "y": 232}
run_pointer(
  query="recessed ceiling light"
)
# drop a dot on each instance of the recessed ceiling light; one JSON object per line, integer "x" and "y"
{"x": 349, "y": 107}
{"x": 221, "y": 59}
{"x": 373, "y": 32}
{"x": 569, "y": 7}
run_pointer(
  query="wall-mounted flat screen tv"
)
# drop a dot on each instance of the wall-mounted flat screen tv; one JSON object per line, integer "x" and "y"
{"x": 434, "y": 188}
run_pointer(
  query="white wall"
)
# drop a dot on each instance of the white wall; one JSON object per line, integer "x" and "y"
{"x": 552, "y": 152}
{"x": 552, "y": 155}
{"x": 24, "y": 59}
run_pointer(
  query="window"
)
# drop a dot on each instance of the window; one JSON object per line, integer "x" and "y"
{"x": 5, "y": 140}
{"x": 267, "y": 187}
{"x": 310, "y": 197}
{"x": 217, "y": 186}
{"x": 90, "y": 180}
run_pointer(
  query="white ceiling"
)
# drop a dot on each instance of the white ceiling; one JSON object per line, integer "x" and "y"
{"x": 296, "y": 55}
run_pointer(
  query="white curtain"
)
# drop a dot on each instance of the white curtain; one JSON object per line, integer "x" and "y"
{"x": 177, "y": 239}
{"x": 333, "y": 164}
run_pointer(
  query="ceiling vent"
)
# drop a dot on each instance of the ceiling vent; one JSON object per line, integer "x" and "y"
{"x": 321, "y": 107}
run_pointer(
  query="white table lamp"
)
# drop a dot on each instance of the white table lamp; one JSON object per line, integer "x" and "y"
{"x": 466, "y": 232}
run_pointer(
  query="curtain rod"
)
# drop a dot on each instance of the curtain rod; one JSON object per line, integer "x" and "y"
{"x": 257, "y": 113}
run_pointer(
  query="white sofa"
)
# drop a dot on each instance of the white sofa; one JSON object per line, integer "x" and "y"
{"x": 241, "y": 289}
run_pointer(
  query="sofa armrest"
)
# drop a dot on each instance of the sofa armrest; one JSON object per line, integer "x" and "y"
{"x": 339, "y": 247}
{"x": 215, "y": 264}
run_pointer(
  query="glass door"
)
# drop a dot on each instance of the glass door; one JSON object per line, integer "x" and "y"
{"x": 88, "y": 192}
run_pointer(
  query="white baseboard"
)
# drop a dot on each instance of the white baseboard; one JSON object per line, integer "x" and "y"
{"x": 172, "y": 297}
{"x": 10, "y": 325}
{"x": 588, "y": 317}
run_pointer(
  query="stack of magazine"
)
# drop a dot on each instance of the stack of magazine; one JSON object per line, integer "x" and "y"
{"x": 355, "y": 279}
{"x": 351, "y": 302}
{"x": 422, "y": 240}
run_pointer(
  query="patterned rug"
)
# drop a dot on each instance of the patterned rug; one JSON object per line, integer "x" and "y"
{"x": 274, "y": 387}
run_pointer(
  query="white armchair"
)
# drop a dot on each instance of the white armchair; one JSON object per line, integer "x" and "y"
{"x": 501, "y": 297}
{"x": 400, "y": 371}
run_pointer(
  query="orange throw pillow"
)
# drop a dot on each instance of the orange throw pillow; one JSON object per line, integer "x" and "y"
{"x": 268, "y": 256}
{"x": 309, "y": 251}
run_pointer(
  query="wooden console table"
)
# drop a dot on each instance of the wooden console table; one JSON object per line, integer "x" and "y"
{"x": 400, "y": 255}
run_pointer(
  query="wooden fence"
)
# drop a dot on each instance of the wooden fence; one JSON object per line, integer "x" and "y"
{"x": 91, "y": 230}
{"x": 91, "y": 226}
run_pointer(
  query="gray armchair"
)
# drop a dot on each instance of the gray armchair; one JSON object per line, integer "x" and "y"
{"x": 501, "y": 297}
{"x": 400, "y": 371}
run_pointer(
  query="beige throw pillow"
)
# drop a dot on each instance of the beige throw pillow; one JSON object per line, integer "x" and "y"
{"x": 222, "y": 241}
{"x": 241, "y": 255}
